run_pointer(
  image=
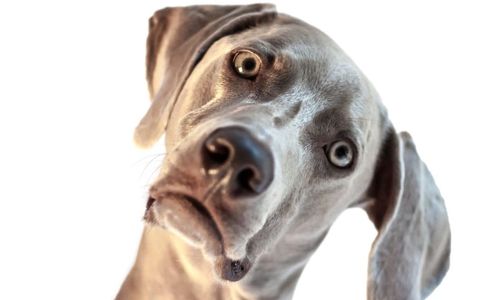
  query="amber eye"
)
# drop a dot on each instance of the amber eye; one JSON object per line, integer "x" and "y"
{"x": 246, "y": 63}
{"x": 340, "y": 154}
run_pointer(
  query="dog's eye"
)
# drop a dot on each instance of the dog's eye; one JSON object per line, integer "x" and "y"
{"x": 246, "y": 63}
{"x": 340, "y": 154}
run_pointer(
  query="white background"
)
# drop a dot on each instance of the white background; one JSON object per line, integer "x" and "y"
{"x": 73, "y": 186}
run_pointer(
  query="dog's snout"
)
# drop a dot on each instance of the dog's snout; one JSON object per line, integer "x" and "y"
{"x": 234, "y": 152}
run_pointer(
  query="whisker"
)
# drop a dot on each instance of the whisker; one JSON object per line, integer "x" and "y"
{"x": 154, "y": 156}
{"x": 149, "y": 163}
{"x": 154, "y": 173}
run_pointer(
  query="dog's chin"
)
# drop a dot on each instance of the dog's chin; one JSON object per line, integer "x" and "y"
{"x": 188, "y": 219}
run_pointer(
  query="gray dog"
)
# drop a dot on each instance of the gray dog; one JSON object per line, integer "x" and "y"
{"x": 272, "y": 132}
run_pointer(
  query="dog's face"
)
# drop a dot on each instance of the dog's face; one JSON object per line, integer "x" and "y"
{"x": 266, "y": 126}
{"x": 271, "y": 132}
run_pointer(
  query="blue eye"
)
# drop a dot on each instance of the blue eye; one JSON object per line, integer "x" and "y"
{"x": 340, "y": 154}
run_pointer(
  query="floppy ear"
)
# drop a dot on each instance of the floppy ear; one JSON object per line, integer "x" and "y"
{"x": 178, "y": 39}
{"x": 410, "y": 255}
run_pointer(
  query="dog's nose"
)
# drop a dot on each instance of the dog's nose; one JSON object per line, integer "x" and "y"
{"x": 236, "y": 153}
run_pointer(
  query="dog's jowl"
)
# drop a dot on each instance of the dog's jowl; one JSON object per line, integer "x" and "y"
{"x": 271, "y": 132}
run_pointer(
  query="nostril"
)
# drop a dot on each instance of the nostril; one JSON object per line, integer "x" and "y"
{"x": 216, "y": 152}
{"x": 247, "y": 181}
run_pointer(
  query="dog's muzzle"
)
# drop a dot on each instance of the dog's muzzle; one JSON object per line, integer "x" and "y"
{"x": 199, "y": 191}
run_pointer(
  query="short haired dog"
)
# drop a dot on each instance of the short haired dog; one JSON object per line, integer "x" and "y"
{"x": 271, "y": 133}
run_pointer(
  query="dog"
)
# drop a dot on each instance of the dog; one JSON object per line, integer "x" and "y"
{"x": 271, "y": 132}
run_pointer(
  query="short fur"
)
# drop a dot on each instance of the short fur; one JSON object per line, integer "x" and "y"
{"x": 307, "y": 95}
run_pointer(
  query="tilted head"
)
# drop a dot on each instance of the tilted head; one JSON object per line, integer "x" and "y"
{"x": 271, "y": 132}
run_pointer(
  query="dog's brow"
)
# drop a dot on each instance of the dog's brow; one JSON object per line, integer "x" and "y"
{"x": 262, "y": 47}
{"x": 328, "y": 122}
{"x": 333, "y": 118}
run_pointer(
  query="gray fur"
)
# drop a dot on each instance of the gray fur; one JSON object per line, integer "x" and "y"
{"x": 308, "y": 94}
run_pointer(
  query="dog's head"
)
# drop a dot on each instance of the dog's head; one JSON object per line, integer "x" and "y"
{"x": 271, "y": 132}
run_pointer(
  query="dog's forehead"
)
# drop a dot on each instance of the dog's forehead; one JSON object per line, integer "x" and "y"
{"x": 297, "y": 41}
{"x": 332, "y": 89}
{"x": 326, "y": 84}
{"x": 317, "y": 64}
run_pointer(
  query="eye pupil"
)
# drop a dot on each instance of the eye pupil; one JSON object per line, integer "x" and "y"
{"x": 341, "y": 152}
{"x": 249, "y": 64}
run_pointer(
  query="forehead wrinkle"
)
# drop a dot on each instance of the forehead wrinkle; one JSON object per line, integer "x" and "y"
{"x": 341, "y": 93}
{"x": 334, "y": 110}
{"x": 321, "y": 72}
{"x": 304, "y": 51}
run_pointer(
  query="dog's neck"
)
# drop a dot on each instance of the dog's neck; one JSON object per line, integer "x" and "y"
{"x": 169, "y": 268}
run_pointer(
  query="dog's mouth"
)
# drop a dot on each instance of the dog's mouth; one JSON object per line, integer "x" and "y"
{"x": 186, "y": 216}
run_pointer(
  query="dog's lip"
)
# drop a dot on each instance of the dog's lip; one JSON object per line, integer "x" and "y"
{"x": 232, "y": 270}
{"x": 206, "y": 231}
{"x": 150, "y": 201}
{"x": 185, "y": 214}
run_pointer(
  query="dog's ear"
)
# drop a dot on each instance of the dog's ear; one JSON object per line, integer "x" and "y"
{"x": 410, "y": 254}
{"x": 178, "y": 39}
